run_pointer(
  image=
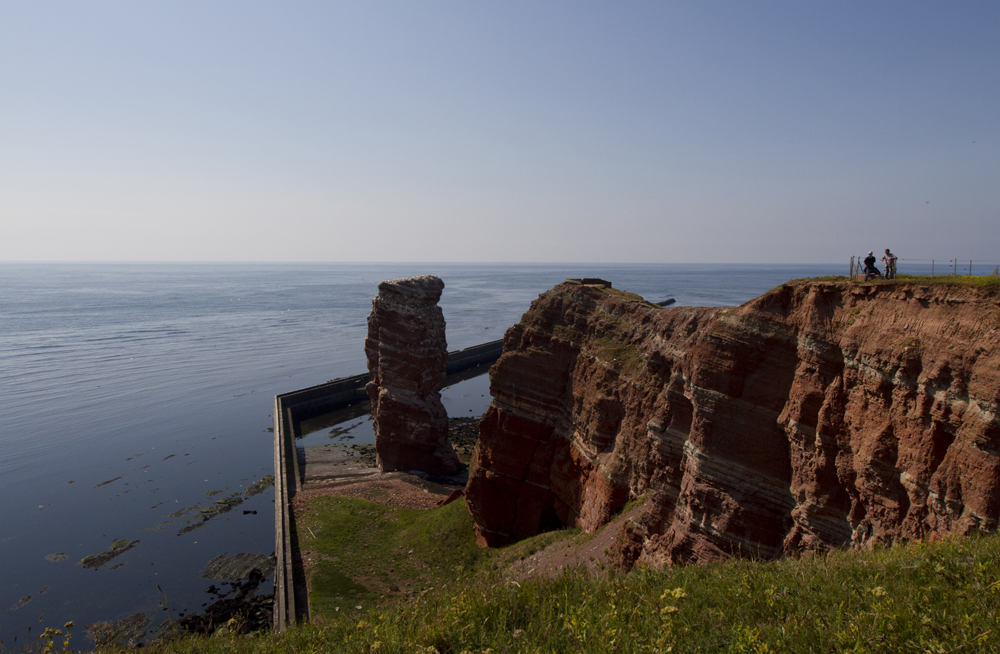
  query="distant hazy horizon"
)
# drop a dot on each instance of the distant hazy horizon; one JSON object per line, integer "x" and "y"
{"x": 415, "y": 262}
{"x": 716, "y": 131}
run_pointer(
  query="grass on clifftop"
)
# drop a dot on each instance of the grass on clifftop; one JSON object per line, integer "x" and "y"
{"x": 920, "y": 597}
{"x": 989, "y": 283}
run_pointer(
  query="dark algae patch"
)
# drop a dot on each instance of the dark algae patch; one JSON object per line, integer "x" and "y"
{"x": 180, "y": 513}
{"x": 118, "y": 547}
{"x": 56, "y": 557}
{"x": 258, "y": 486}
{"x": 190, "y": 528}
{"x": 232, "y": 501}
{"x": 238, "y": 566}
{"x": 221, "y": 506}
{"x": 202, "y": 514}
{"x": 206, "y": 513}
{"x": 24, "y": 600}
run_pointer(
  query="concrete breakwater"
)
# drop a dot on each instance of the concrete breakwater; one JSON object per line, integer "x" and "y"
{"x": 290, "y": 409}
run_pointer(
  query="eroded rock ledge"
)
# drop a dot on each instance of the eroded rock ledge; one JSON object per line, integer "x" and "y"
{"x": 817, "y": 416}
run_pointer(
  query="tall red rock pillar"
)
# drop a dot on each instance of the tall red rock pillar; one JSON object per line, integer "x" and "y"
{"x": 407, "y": 355}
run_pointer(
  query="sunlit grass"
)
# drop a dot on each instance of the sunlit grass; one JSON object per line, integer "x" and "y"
{"x": 989, "y": 283}
{"x": 919, "y": 597}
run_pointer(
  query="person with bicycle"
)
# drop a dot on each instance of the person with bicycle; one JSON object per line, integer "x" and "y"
{"x": 890, "y": 264}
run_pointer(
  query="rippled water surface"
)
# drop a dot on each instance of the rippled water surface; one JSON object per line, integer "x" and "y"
{"x": 135, "y": 396}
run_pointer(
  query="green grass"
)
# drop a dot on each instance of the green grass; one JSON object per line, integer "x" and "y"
{"x": 919, "y": 597}
{"x": 628, "y": 297}
{"x": 826, "y": 278}
{"x": 366, "y": 548}
{"x": 622, "y": 357}
{"x": 988, "y": 282}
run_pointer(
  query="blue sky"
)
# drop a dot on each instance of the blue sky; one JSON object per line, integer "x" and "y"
{"x": 499, "y": 131}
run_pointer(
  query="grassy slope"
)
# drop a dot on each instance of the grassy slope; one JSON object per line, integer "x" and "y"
{"x": 367, "y": 548}
{"x": 919, "y": 597}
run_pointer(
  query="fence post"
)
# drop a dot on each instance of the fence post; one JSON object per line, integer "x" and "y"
{"x": 970, "y": 267}
{"x": 954, "y": 270}
{"x": 850, "y": 275}
{"x": 932, "y": 267}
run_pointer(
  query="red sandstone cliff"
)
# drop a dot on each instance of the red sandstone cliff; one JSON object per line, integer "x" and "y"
{"x": 819, "y": 415}
{"x": 407, "y": 356}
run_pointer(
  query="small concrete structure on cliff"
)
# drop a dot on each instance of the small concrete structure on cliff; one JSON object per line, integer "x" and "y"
{"x": 407, "y": 356}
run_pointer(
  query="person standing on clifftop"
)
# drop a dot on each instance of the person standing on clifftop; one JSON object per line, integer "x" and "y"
{"x": 890, "y": 264}
{"x": 870, "y": 269}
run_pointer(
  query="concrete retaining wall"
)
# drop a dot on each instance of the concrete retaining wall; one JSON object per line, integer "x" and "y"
{"x": 471, "y": 357}
{"x": 316, "y": 400}
{"x": 286, "y": 476}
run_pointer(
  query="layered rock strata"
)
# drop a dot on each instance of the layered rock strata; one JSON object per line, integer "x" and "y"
{"x": 407, "y": 355}
{"x": 820, "y": 415}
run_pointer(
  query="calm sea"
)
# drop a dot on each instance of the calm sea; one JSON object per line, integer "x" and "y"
{"x": 129, "y": 392}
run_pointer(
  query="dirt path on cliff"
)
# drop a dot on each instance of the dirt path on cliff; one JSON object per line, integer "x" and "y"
{"x": 396, "y": 489}
{"x": 587, "y": 552}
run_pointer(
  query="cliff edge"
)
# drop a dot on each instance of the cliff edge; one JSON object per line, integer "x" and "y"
{"x": 820, "y": 415}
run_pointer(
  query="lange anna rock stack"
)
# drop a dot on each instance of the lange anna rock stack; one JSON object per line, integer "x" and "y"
{"x": 407, "y": 356}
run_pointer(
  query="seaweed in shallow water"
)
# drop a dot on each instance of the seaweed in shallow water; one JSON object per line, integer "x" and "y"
{"x": 259, "y": 486}
{"x": 238, "y": 566}
{"x": 118, "y": 547}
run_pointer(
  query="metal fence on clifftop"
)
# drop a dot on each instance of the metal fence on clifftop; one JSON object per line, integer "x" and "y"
{"x": 929, "y": 267}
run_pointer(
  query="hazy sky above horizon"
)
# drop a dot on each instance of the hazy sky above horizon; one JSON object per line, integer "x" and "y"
{"x": 499, "y": 131}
